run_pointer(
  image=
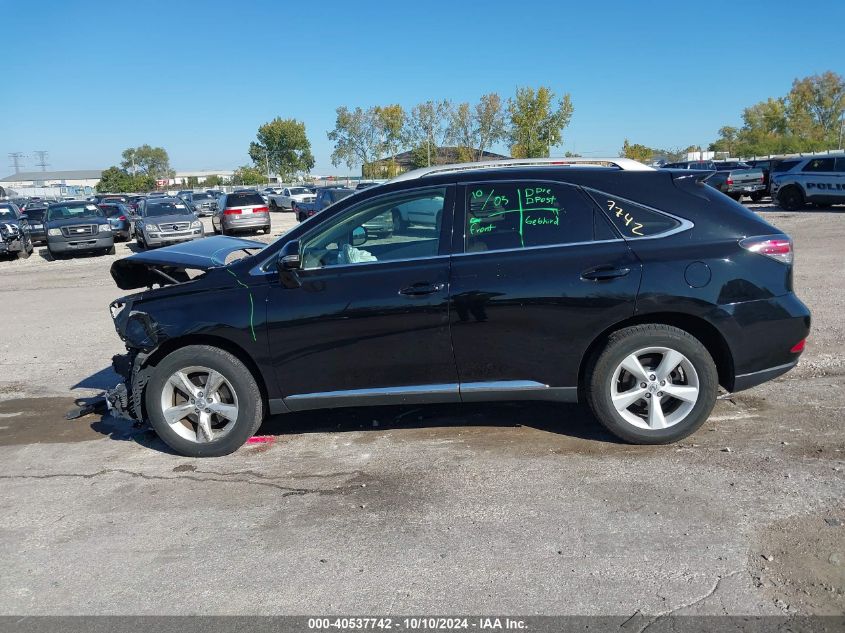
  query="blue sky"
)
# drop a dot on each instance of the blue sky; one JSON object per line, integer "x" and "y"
{"x": 84, "y": 80}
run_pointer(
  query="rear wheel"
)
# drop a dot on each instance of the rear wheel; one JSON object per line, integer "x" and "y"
{"x": 111, "y": 251}
{"x": 203, "y": 402}
{"x": 652, "y": 384}
{"x": 757, "y": 196}
{"x": 273, "y": 206}
{"x": 399, "y": 225}
{"x": 791, "y": 198}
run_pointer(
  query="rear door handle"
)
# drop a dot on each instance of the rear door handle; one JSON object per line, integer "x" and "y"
{"x": 603, "y": 273}
{"x": 421, "y": 289}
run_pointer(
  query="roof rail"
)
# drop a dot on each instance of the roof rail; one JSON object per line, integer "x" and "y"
{"x": 625, "y": 164}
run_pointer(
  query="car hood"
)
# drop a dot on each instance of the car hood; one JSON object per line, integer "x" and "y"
{"x": 168, "y": 265}
{"x": 170, "y": 219}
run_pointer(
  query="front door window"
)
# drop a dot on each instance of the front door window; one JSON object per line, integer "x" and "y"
{"x": 387, "y": 228}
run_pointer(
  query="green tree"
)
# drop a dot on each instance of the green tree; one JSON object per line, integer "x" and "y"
{"x": 114, "y": 180}
{"x": 248, "y": 175}
{"x": 489, "y": 119}
{"x": 356, "y": 137}
{"x": 636, "y": 151}
{"x": 282, "y": 147}
{"x": 117, "y": 180}
{"x": 815, "y": 108}
{"x": 390, "y": 123}
{"x": 536, "y": 121}
{"x": 727, "y": 141}
{"x": 462, "y": 132}
{"x": 426, "y": 129}
{"x": 212, "y": 181}
{"x": 150, "y": 161}
{"x": 806, "y": 119}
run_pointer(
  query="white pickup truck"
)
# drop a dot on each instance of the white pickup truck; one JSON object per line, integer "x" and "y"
{"x": 289, "y": 195}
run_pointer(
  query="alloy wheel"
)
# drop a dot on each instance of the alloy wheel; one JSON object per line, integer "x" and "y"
{"x": 199, "y": 404}
{"x": 654, "y": 388}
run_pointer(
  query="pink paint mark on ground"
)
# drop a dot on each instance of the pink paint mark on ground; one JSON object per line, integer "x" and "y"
{"x": 261, "y": 439}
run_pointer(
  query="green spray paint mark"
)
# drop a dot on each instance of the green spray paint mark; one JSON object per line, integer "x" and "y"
{"x": 521, "y": 219}
{"x": 251, "y": 304}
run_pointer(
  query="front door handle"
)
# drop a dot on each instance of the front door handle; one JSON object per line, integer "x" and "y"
{"x": 421, "y": 289}
{"x": 603, "y": 273}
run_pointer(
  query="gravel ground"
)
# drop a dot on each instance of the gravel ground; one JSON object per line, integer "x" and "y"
{"x": 512, "y": 508}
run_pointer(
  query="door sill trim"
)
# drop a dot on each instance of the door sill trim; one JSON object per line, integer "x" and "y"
{"x": 491, "y": 391}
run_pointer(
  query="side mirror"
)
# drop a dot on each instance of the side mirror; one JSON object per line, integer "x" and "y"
{"x": 359, "y": 236}
{"x": 288, "y": 263}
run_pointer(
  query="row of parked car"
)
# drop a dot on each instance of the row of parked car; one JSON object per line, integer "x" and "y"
{"x": 792, "y": 182}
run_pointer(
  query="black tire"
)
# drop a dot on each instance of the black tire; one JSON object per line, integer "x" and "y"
{"x": 250, "y": 404}
{"x": 53, "y": 256}
{"x": 736, "y": 196}
{"x": 267, "y": 230}
{"x": 302, "y": 217}
{"x": 111, "y": 251}
{"x": 273, "y": 206}
{"x": 26, "y": 251}
{"x": 791, "y": 198}
{"x": 600, "y": 376}
{"x": 399, "y": 225}
{"x": 757, "y": 196}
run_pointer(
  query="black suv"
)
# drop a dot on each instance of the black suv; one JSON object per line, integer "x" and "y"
{"x": 637, "y": 291}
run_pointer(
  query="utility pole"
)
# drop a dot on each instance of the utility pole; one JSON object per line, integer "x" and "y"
{"x": 841, "y": 123}
{"x": 42, "y": 159}
{"x": 16, "y": 160}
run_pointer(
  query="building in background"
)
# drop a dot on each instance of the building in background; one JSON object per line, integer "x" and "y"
{"x": 71, "y": 178}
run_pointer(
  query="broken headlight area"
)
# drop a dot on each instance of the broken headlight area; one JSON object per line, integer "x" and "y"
{"x": 135, "y": 328}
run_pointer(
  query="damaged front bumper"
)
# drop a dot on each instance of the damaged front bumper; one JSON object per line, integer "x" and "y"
{"x": 125, "y": 400}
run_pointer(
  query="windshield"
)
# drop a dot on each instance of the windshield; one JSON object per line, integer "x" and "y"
{"x": 36, "y": 214}
{"x": 6, "y": 213}
{"x": 298, "y": 191}
{"x": 243, "y": 199}
{"x": 75, "y": 211}
{"x": 156, "y": 209}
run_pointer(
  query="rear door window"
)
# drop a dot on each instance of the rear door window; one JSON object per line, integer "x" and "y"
{"x": 633, "y": 220}
{"x": 525, "y": 214}
{"x": 820, "y": 164}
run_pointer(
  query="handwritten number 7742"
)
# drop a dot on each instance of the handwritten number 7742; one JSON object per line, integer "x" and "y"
{"x": 628, "y": 219}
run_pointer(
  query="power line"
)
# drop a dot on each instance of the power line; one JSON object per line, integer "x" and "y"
{"x": 42, "y": 159}
{"x": 16, "y": 160}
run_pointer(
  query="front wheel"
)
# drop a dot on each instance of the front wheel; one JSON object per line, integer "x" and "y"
{"x": 652, "y": 384}
{"x": 203, "y": 401}
{"x": 791, "y": 198}
{"x": 273, "y": 206}
{"x": 27, "y": 249}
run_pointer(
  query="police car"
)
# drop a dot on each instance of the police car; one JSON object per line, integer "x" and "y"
{"x": 819, "y": 180}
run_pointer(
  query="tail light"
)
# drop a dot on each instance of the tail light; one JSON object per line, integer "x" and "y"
{"x": 799, "y": 346}
{"x": 729, "y": 181}
{"x": 122, "y": 218}
{"x": 232, "y": 212}
{"x": 261, "y": 209}
{"x": 778, "y": 247}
